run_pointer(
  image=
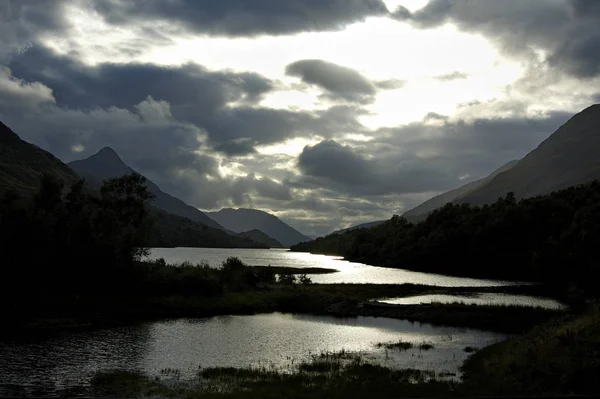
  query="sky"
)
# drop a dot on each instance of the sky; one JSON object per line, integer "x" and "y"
{"x": 326, "y": 113}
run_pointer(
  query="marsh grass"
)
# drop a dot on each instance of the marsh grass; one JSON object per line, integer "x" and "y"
{"x": 400, "y": 345}
{"x": 425, "y": 346}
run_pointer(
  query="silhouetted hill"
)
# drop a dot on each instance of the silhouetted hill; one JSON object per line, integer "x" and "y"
{"x": 260, "y": 237}
{"x": 22, "y": 164}
{"x": 568, "y": 157}
{"x": 360, "y": 226}
{"x": 240, "y": 220}
{"x": 106, "y": 164}
{"x": 420, "y": 212}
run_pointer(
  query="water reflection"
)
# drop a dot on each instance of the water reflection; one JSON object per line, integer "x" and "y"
{"x": 33, "y": 365}
{"x": 268, "y": 339}
{"x": 479, "y": 299}
{"x": 349, "y": 272}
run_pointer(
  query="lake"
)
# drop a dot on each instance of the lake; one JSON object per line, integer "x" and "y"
{"x": 33, "y": 366}
{"x": 479, "y": 299}
{"x": 349, "y": 272}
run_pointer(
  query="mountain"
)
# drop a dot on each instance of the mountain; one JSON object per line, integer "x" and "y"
{"x": 178, "y": 231}
{"x": 106, "y": 164}
{"x": 22, "y": 164}
{"x": 570, "y": 156}
{"x": 360, "y": 226}
{"x": 261, "y": 238}
{"x": 420, "y": 212}
{"x": 240, "y": 220}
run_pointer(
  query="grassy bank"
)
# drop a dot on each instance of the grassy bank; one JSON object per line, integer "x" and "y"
{"x": 561, "y": 357}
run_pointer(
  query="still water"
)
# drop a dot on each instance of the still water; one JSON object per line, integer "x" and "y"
{"x": 349, "y": 272}
{"x": 273, "y": 340}
{"x": 479, "y": 299}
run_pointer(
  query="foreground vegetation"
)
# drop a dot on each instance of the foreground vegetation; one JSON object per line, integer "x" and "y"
{"x": 550, "y": 238}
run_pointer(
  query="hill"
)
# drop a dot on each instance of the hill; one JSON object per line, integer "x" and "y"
{"x": 360, "y": 226}
{"x": 240, "y": 220}
{"x": 23, "y": 164}
{"x": 420, "y": 212}
{"x": 568, "y": 157}
{"x": 106, "y": 164}
{"x": 260, "y": 237}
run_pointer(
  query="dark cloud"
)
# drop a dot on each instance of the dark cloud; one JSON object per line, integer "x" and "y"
{"x": 124, "y": 85}
{"x": 566, "y": 30}
{"x": 344, "y": 169}
{"x": 420, "y": 157}
{"x": 236, "y": 147}
{"x": 339, "y": 81}
{"x": 24, "y": 21}
{"x": 456, "y": 75}
{"x": 241, "y": 17}
{"x": 194, "y": 94}
{"x": 333, "y": 161}
{"x": 390, "y": 84}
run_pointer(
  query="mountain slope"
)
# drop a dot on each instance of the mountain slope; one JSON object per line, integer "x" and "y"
{"x": 260, "y": 237}
{"x": 240, "y": 220}
{"x": 569, "y": 156}
{"x": 420, "y": 212}
{"x": 360, "y": 226}
{"x": 22, "y": 164}
{"x": 106, "y": 164}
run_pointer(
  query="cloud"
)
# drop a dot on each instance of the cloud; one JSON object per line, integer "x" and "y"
{"x": 566, "y": 30}
{"x": 16, "y": 92}
{"x": 337, "y": 80}
{"x": 456, "y": 75}
{"x": 222, "y": 103}
{"x": 240, "y": 17}
{"x": 421, "y": 157}
{"x": 390, "y": 84}
{"x": 23, "y": 21}
{"x": 335, "y": 162}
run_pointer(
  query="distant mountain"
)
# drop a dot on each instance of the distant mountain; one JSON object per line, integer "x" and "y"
{"x": 570, "y": 156}
{"x": 106, "y": 164}
{"x": 22, "y": 164}
{"x": 360, "y": 226}
{"x": 420, "y": 212}
{"x": 178, "y": 231}
{"x": 260, "y": 237}
{"x": 240, "y": 220}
